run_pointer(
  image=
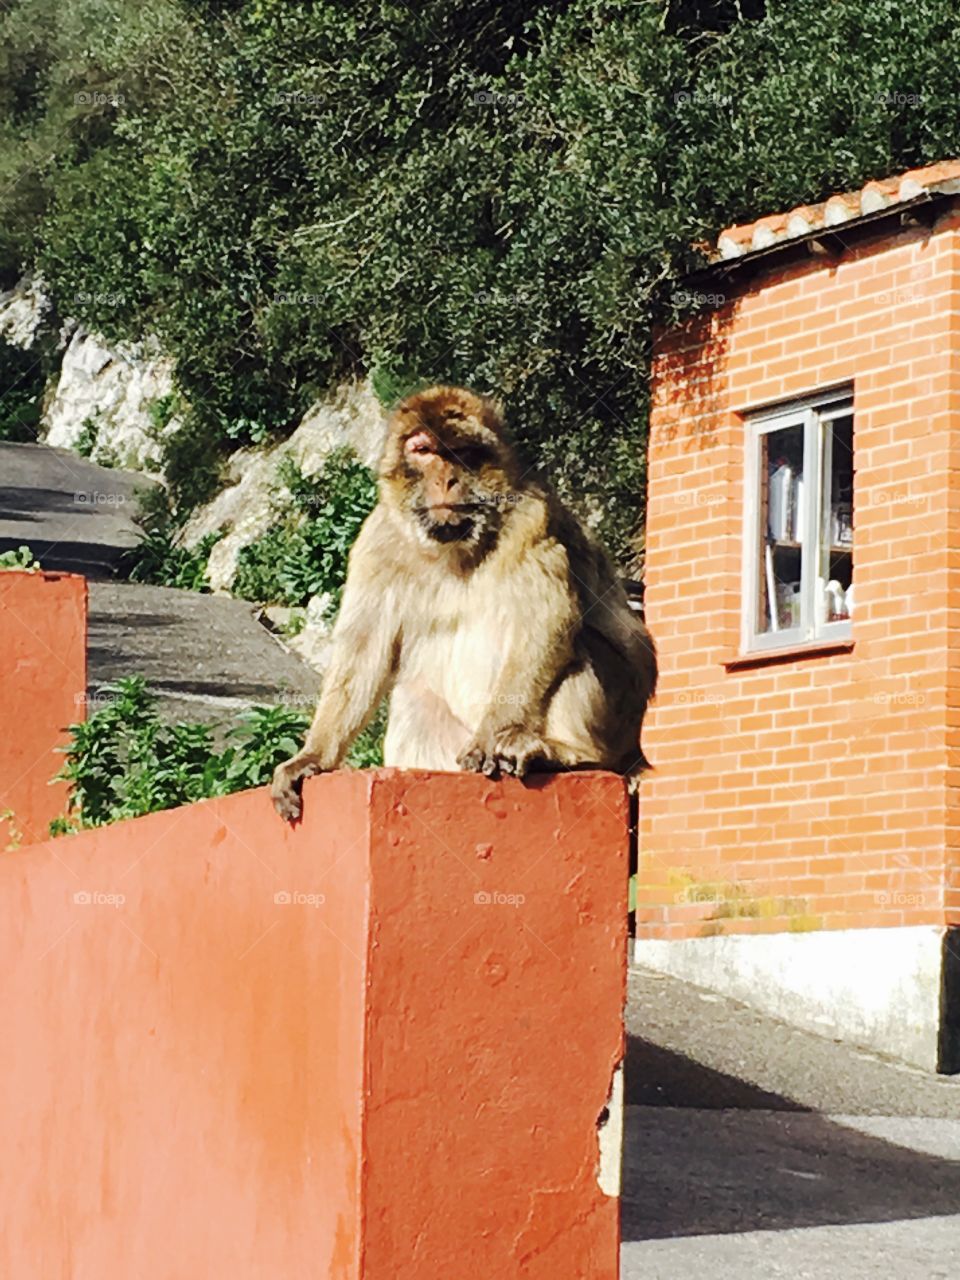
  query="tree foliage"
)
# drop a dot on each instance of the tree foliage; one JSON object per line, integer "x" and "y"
{"x": 499, "y": 194}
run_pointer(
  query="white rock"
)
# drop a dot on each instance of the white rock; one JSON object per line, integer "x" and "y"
{"x": 247, "y": 507}
{"x": 318, "y": 610}
{"x": 114, "y": 386}
{"x": 22, "y": 310}
{"x": 352, "y": 416}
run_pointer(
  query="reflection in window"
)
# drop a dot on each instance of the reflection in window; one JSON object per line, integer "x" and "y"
{"x": 800, "y": 579}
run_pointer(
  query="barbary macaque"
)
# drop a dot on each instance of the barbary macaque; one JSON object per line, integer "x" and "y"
{"x": 479, "y": 603}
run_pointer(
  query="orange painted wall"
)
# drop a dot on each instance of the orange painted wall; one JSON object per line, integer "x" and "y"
{"x": 43, "y": 663}
{"x": 820, "y": 792}
{"x": 375, "y": 1045}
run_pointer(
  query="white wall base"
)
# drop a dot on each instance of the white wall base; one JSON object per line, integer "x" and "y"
{"x": 880, "y": 988}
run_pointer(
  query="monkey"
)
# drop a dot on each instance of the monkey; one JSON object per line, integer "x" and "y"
{"x": 479, "y": 602}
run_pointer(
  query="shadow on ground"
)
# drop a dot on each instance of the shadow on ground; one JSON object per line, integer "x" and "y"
{"x": 706, "y": 1153}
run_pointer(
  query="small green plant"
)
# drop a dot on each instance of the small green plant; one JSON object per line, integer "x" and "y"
{"x": 86, "y": 442}
{"x": 161, "y": 561}
{"x": 305, "y": 553}
{"x": 14, "y": 832}
{"x": 161, "y": 413}
{"x": 159, "y": 558}
{"x": 22, "y": 558}
{"x": 21, "y": 393}
{"x": 124, "y": 761}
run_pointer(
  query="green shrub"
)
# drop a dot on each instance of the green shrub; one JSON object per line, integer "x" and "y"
{"x": 21, "y": 393}
{"x": 22, "y": 558}
{"x": 305, "y": 553}
{"x": 159, "y": 558}
{"x": 124, "y": 761}
{"x": 389, "y": 220}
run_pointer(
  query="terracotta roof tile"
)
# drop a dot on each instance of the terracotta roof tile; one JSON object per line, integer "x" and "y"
{"x": 844, "y": 207}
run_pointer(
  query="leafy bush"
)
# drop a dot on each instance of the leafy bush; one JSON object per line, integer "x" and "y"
{"x": 124, "y": 761}
{"x": 305, "y": 553}
{"x": 22, "y": 558}
{"x": 159, "y": 558}
{"x": 492, "y": 193}
{"x": 21, "y": 393}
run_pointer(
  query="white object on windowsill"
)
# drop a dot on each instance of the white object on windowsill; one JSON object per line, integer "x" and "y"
{"x": 771, "y": 589}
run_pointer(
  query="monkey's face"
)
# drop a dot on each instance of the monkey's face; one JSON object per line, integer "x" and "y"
{"x": 449, "y": 496}
{"x": 448, "y": 467}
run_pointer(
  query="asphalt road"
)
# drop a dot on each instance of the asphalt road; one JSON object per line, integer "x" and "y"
{"x": 752, "y": 1149}
{"x": 74, "y": 515}
{"x": 205, "y": 657}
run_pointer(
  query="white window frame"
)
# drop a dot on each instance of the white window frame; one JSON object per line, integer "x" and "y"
{"x": 812, "y": 413}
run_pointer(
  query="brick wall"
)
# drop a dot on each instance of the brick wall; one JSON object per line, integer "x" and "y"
{"x": 817, "y": 792}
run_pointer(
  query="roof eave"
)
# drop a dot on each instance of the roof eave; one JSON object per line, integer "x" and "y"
{"x": 831, "y": 241}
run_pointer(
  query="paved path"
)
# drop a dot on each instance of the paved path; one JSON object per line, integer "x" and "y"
{"x": 73, "y": 514}
{"x": 205, "y": 656}
{"x": 755, "y": 1150}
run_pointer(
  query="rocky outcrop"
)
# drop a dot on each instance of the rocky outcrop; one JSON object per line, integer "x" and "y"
{"x": 248, "y": 504}
{"x": 22, "y": 312}
{"x": 104, "y": 396}
{"x": 101, "y": 400}
{"x": 104, "y": 401}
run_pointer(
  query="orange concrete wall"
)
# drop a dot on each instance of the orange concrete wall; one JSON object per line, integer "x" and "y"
{"x": 375, "y": 1045}
{"x": 43, "y": 664}
{"x": 818, "y": 792}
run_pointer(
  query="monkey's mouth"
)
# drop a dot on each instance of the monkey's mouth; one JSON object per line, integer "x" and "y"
{"x": 448, "y": 523}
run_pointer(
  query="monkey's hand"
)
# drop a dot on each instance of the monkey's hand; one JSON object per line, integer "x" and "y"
{"x": 287, "y": 783}
{"x": 512, "y": 751}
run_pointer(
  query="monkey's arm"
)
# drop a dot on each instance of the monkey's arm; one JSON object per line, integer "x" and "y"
{"x": 363, "y": 652}
{"x": 546, "y": 617}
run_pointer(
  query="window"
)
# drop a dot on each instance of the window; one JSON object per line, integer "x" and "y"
{"x": 798, "y": 537}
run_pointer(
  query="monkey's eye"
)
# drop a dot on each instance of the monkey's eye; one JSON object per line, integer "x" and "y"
{"x": 471, "y": 457}
{"x": 421, "y": 445}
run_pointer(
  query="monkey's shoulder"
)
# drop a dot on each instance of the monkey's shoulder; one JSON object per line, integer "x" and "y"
{"x": 378, "y": 550}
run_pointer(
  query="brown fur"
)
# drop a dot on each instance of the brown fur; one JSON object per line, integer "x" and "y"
{"x": 497, "y": 623}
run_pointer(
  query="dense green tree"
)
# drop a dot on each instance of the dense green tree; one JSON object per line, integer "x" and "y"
{"x": 500, "y": 194}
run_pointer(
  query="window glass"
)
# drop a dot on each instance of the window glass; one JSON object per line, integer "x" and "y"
{"x": 781, "y": 524}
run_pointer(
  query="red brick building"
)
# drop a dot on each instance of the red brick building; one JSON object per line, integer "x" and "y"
{"x": 800, "y": 837}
